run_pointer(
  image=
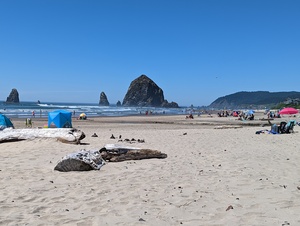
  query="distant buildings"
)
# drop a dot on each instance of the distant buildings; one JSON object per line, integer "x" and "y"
{"x": 295, "y": 101}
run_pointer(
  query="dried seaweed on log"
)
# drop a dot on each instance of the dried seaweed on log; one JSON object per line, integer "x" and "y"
{"x": 81, "y": 161}
{"x": 67, "y": 135}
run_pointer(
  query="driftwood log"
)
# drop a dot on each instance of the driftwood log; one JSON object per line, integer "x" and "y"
{"x": 131, "y": 155}
{"x": 66, "y": 135}
{"x": 81, "y": 161}
{"x": 228, "y": 127}
{"x": 114, "y": 153}
{"x": 95, "y": 159}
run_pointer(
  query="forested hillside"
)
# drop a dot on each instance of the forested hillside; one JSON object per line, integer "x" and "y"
{"x": 258, "y": 99}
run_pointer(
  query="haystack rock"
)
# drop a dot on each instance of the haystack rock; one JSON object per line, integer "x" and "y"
{"x": 144, "y": 92}
{"x": 13, "y": 97}
{"x": 103, "y": 100}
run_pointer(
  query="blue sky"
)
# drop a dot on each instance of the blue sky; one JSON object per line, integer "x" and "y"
{"x": 195, "y": 50}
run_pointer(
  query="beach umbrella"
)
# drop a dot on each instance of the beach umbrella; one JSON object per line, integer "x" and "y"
{"x": 288, "y": 111}
{"x": 82, "y": 115}
{"x": 250, "y": 112}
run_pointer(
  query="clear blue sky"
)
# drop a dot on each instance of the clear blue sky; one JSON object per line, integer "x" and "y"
{"x": 195, "y": 50}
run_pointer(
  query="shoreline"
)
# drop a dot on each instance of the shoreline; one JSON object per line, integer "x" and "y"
{"x": 203, "y": 120}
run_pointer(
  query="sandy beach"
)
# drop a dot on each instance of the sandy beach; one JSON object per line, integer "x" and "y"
{"x": 218, "y": 172}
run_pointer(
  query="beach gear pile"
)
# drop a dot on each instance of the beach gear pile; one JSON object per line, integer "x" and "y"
{"x": 282, "y": 128}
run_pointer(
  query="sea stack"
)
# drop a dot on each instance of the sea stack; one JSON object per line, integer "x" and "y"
{"x": 13, "y": 97}
{"x": 118, "y": 104}
{"x": 103, "y": 100}
{"x": 144, "y": 92}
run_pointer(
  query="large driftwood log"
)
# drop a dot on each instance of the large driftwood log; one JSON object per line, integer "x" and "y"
{"x": 81, "y": 161}
{"x": 95, "y": 159}
{"x": 114, "y": 153}
{"x": 67, "y": 135}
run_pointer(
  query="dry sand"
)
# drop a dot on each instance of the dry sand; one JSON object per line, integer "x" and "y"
{"x": 211, "y": 176}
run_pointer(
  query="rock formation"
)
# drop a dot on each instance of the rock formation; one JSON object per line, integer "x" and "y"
{"x": 13, "y": 97}
{"x": 103, "y": 100}
{"x": 166, "y": 104}
{"x": 144, "y": 92}
{"x": 118, "y": 104}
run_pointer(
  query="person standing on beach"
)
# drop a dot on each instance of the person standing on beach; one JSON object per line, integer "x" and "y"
{"x": 33, "y": 114}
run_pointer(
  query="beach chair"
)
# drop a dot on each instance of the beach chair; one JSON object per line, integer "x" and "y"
{"x": 285, "y": 127}
{"x": 28, "y": 122}
{"x": 282, "y": 128}
{"x": 290, "y": 126}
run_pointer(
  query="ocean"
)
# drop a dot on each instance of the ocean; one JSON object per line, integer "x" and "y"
{"x": 26, "y": 109}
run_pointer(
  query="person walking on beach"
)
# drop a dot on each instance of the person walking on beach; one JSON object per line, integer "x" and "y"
{"x": 33, "y": 114}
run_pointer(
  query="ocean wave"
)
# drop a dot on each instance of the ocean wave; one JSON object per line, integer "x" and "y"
{"x": 26, "y": 109}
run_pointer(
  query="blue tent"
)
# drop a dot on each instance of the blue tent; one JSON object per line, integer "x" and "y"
{"x": 60, "y": 119}
{"x": 5, "y": 122}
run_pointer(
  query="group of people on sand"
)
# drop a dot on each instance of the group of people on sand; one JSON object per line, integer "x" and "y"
{"x": 248, "y": 117}
{"x": 190, "y": 116}
{"x": 240, "y": 114}
{"x": 272, "y": 114}
{"x": 244, "y": 116}
{"x": 223, "y": 114}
